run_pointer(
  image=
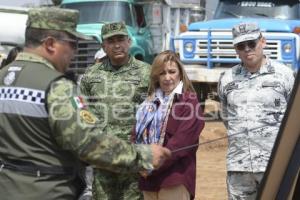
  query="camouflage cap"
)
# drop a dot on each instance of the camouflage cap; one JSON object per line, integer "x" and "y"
{"x": 55, "y": 19}
{"x": 115, "y": 28}
{"x": 245, "y": 31}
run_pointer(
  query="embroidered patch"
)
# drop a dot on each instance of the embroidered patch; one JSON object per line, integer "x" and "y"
{"x": 277, "y": 102}
{"x": 9, "y": 78}
{"x": 87, "y": 117}
{"x": 270, "y": 84}
{"x": 231, "y": 86}
{"x": 77, "y": 102}
{"x": 14, "y": 68}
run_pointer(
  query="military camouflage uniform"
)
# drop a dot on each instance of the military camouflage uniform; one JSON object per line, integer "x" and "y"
{"x": 46, "y": 129}
{"x": 114, "y": 96}
{"x": 253, "y": 106}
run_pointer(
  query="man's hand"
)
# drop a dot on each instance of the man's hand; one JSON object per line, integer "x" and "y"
{"x": 160, "y": 154}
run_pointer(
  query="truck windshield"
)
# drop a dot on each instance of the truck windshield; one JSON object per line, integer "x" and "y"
{"x": 287, "y": 9}
{"x": 104, "y": 11}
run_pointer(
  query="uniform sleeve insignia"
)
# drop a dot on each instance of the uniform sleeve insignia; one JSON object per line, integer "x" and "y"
{"x": 77, "y": 102}
{"x": 9, "y": 78}
{"x": 87, "y": 117}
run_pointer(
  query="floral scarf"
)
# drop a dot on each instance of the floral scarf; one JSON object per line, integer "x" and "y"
{"x": 152, "y": 116}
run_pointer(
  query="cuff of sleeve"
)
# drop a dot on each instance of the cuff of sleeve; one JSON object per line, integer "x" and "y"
{"x": 145, "y": 153}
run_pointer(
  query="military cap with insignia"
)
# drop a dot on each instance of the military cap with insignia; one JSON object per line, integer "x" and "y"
{"x": 112, "y": 29}
{"x": 245, "y": 31}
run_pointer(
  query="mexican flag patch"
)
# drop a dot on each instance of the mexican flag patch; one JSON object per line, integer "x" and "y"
{"x": 77, "y": 102}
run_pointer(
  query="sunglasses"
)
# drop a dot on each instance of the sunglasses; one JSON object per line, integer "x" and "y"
{"x": 251, "y": 44}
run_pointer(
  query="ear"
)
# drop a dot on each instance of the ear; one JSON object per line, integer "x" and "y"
{"x": 103, "y": 46}
{"x": 50, "y": 45}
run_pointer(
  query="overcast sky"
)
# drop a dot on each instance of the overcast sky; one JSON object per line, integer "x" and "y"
{"x": 22, "y": 2}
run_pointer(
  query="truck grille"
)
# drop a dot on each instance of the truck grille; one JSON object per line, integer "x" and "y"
{"x": 223, "y": 49}
{"x": 84, "y": 57}
{"x": 215, "y": 48}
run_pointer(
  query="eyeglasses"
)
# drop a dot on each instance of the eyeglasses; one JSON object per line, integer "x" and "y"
{"x": 72, "y": 42}
{"x": 251, "y": 44}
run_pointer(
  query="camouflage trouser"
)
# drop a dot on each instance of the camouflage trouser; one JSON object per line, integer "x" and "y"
{"x": 112, "y": 186}
{"x": 88, "y": 177}
{"x": 243, "y": 185}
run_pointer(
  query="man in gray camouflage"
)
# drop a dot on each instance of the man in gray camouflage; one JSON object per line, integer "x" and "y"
{"x": 254, "y": 96}
{"x": 45, "y": 126}
{"x": 115, "y": 87}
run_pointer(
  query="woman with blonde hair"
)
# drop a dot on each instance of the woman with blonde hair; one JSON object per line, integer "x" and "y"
{"x": 170, "y": 116}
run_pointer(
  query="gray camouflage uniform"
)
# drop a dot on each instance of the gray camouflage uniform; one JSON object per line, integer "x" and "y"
{"x": 253, "y": 106}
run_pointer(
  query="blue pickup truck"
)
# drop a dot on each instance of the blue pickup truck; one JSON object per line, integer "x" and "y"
{"x": 206, "y": 49}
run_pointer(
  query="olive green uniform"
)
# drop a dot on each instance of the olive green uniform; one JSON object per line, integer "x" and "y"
{"x": 45, "y": 133}
{"x": 114, "y": 96}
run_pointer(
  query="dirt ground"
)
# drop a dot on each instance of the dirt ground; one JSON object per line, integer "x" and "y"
{"x": 211, "y": 158}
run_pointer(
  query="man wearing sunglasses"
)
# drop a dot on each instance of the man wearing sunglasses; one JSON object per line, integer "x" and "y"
{"x": 254, "y": 95}
{"x": 47, "y": 131}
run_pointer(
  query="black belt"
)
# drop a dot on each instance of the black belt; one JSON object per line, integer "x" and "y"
{"x": 36, "y": 170}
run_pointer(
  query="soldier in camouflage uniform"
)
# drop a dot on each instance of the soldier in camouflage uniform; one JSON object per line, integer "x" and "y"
{"x": 254, "y": 96}
{"x": 115, "y": 87}
{"x": 46, "y": 128}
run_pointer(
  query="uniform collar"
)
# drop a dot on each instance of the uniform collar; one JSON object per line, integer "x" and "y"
{"x": 25, "y": 56}
{"x": 266, "y": 68}
{"x": 108, "y": 66}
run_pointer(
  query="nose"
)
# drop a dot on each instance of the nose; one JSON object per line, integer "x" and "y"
{"x": 167, "y": 76}
{"x": 116, "y": 44}
{"x": 247, "y": 48}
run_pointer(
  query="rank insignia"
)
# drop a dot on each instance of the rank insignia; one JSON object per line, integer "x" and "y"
{"x": 87, "y": 117}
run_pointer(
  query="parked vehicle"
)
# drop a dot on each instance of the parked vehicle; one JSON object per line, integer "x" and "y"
{"x": 207, "y": 50}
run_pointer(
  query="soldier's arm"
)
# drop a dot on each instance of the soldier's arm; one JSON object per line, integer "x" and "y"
{"x": 75, "y": 129}
{"x": 289, "y": 83}
{"x": 223, "y": 101}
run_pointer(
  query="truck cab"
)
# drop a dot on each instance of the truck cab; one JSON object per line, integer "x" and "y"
{"x": 94, "y": 13}
{"x": 207, "y": 50}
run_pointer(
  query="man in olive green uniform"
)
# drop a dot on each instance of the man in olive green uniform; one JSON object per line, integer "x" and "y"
{"x": 46, "y": 128}
{"x": 115, "y": 87}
